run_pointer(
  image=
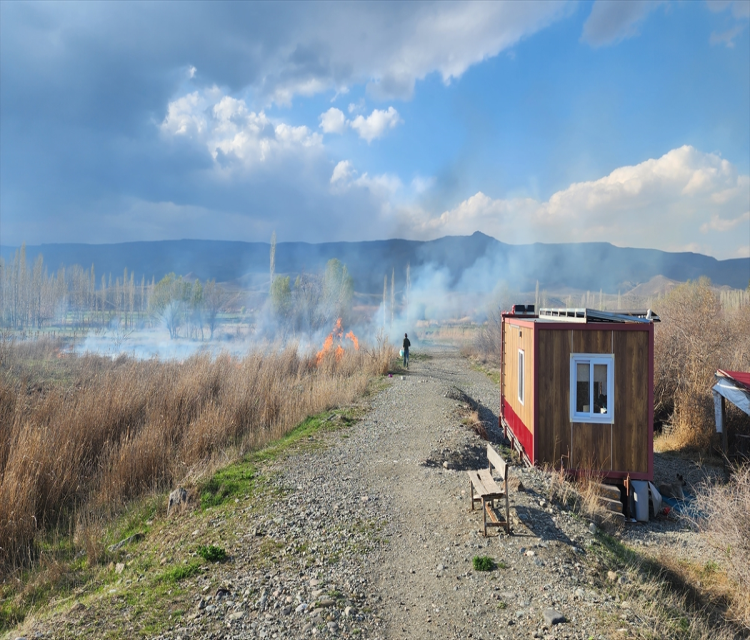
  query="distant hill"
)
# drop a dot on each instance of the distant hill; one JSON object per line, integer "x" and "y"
{"x": 467, "y": 263}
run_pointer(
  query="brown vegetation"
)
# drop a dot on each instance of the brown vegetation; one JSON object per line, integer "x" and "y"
{"x": 80, "y": 439}
{"x": 724, "y": 518}
{"x": 697, "y": 336}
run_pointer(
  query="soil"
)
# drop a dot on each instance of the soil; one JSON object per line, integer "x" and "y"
{"x": 373, "y": 537}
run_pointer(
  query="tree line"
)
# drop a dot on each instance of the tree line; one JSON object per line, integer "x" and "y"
{"x": 33, "y": 297}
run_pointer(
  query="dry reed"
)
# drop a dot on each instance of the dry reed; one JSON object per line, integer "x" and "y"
{"x": 724, "y": 518}
{"x": 696, "y": 337}
{"x": 76, "y": 449}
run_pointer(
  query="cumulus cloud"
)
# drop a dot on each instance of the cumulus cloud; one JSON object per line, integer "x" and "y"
{"x": 612, "y": 21}
{"x": 229, "y": 130}
{"x": 368, "y": 128}
{"x": 376, "y": 124}
{"x": 342, "y": 172}
{"x": 721, "y": 224}
{"x": 383, "y": 186}
{"x": 333, "y": 121}
{"x": 663, "y": 203}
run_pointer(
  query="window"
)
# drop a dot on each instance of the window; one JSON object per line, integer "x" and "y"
{"x": 592, "y": 388}
{"x": 520, "y": 375}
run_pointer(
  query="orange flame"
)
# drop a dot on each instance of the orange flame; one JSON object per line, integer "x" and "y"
{"x": 326, "y": 348}
{"x": 354, "y": 339}
{"x": 338, "y": 334}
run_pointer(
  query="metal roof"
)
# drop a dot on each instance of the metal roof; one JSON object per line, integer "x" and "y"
{"x": 585, "y": 315}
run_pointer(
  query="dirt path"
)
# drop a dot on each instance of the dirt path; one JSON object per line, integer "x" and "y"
{"x": 425, "y": 574}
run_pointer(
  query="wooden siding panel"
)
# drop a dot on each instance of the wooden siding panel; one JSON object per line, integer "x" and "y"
{"x": 553, "y": 419}
{"x": 592, "y": 446}
{"x": 592, "y": 341}
{"x": 630, "y": 440}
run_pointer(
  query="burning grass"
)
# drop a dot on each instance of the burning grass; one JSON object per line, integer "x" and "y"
{"x": 76, "y": 448}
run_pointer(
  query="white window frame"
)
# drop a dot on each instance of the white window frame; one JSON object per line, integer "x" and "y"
{"x": 521, "y": 375}
{"x": 607, "y": 359}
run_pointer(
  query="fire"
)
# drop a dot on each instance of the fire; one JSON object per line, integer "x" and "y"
{"x": 338, "y": 335}
{"x": 354, "y": 339}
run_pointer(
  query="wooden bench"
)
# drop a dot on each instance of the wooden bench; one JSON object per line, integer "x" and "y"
{"x": 485, "y": 489}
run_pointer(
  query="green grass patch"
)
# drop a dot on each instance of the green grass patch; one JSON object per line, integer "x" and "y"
{"x": 181, "y": 572}
{"x": 227, "y": 483}
{"x": 212, "y": 553}
{"x": 483, "y": 563}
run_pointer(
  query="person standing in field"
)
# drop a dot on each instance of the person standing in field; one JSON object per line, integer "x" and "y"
{"x": 407, "y": 344}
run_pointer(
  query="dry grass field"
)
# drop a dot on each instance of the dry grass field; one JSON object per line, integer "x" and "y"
{"x": 82, "y": 436}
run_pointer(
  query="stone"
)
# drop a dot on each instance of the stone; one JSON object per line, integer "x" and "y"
{"x": 447, "y": 465}
{"x": 349, "y": 611}
{"x": 551, "y": 616}
{"x": 136, "y": 537}
{"x": 325, "y": 602}
{"x": 177, "y": 498}
{"x": 593, "y": 528}
{"x": 301, "y": 608}
{"x": 119, "y": 567}
{"x": 333, "y": 627}
{"x": 611, "y": 576}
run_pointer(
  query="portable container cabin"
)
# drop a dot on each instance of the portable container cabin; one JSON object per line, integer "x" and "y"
{"x": 576, "y": 389}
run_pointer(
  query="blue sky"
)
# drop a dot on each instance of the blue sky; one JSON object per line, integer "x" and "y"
{"x": 552, "y": 122}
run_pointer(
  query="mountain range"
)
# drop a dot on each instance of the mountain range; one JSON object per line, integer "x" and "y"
{"x": 467, "y": 263}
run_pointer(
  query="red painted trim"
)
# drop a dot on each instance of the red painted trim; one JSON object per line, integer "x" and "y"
{"x": 519, "y": 429}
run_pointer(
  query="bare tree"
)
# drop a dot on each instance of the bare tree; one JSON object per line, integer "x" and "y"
{"x": 214, "y": 299}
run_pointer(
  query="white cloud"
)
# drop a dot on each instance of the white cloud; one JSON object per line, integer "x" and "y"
{"x": 667, "y": 203}
{"x": 376, "y": 124}
{"x": 333, "y": 121}
{"x": 342, "y": 172}
{"x": 384, "y": 186}
{"x": 403, "y": 43}
{"x": 369, "y": 128}
{"x": 229, "y": 130}
{"x": 612, "y": 21}
{"x": 721, "y": 224}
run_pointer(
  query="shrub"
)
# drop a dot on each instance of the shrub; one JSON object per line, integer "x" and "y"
{"x": 483, "y": 563}
{"x": 212, "y": 553}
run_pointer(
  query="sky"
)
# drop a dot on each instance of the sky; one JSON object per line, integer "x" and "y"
{"x": 623, "y": 122}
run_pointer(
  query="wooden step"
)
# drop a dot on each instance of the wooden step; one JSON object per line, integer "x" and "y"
{"x": 607, "y": 490}
{"x": 610, "y": 505}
